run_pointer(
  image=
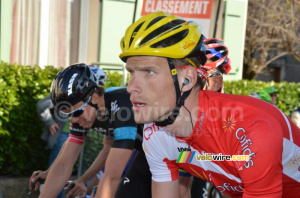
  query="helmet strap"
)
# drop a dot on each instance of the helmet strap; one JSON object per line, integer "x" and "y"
{"x": 180, "y": 98}
{"x": 96, "y": 107}
{"x": 175, "y": 110}
{"x": 174, "y": 76}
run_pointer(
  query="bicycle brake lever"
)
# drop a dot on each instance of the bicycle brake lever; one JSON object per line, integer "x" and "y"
{"x": 40, "y": 180}
{"x": 71, "y": 184}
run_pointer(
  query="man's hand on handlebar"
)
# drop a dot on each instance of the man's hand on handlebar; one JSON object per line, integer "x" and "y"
{"x": 37, "y": 178}
{"x": 75, "y": 188}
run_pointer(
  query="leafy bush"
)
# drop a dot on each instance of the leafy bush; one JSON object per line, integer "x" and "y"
{"x": 114, "y": 79}
{"x": 92, "y": 146}
{"x": 288, "y": 96}
{"x": 21, "y": 149}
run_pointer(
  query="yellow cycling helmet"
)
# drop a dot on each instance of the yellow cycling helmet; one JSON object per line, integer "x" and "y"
{"x": 164, "y": 35}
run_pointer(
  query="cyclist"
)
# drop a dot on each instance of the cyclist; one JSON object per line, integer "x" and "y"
{"x": 261, "y": 94}
{"x": 56, "y": 132}
{"x": 212, "y": 71}
{"x": 76, "y": 93}
{"x": 208, "y": 121}
{"x": 272, "y": 91}
{"x": 216, "y": 65}
{"x": 295, "y": 116}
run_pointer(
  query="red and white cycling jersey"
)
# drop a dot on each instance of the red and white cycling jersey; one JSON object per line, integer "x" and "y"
{"x": 233, "y": 125}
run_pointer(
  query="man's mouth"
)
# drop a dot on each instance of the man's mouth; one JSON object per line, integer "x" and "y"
{"x": 82, "y": 123}
{"x": 137, "y": 105}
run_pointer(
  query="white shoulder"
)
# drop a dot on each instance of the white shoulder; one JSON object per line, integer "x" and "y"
{"x": 156, "y": 140}
{"x": 161, "y": 148}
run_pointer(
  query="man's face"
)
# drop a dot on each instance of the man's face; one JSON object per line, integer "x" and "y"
{"x": 215, "y": 82}
{"x": 151, "y": 87}
{"x": 86, "y": 115}
{"x": 274, "y": 98}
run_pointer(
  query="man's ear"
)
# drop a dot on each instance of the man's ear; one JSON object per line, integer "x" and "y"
{"x": 189, "y": 79}
{"x": 95, "y": 98}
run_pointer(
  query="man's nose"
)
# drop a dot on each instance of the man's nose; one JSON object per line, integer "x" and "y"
{"x": 133, "y": 85}
{"x": 75, "y": 119}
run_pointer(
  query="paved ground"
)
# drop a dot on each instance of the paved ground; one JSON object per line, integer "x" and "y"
{"x": 15, "y": 188}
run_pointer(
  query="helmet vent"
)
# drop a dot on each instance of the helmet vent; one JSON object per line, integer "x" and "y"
{"x": 162, "y": 29}
{"x": 217, "y": 53}
{"x": 134, "y": 33}
{"x": 171, "y": 40}
{"x": 219, "y": 48}
{"x": 212, "y": 41}
{"x": 155, "y": 21}
{"x": 214, "y": 58}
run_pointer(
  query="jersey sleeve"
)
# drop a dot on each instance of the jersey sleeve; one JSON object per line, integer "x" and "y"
{"x": 262, "y": 174}
{"x": 156, "y": 148}
{"x": 184, "y": 173}
{"x": 123, "y": 123}
{"x": 77, "y": 133}
{"x": 124, "y": 128}
{"x": 119, "y": 108}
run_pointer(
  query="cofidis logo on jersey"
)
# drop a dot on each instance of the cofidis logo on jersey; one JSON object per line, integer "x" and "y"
{"x": 229, "y": 124}
{"x": 245, "y": 145}
{"x": 145, "y": 148}
{"x": 294, "y": 162}
{"x": 150, "y": 130}
{"x": 230, "y": 188}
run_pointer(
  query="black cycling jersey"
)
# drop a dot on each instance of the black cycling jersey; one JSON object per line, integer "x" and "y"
{"x": 118, "y": 122}
{"x": 136, "y": 182}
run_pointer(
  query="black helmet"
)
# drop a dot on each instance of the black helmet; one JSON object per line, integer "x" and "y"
{"x": 72, "y": 85}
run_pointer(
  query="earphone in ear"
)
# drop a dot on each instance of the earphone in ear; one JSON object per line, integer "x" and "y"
{"x": 186, "y": 81}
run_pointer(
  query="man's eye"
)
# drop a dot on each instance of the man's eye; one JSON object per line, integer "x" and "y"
{"x": 130, "y": 71}
{"x": 150, "y": 72}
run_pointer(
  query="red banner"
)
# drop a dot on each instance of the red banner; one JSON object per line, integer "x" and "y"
{"x": 184, "y": 8}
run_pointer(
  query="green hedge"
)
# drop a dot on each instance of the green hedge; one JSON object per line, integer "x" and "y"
{"x": 288, "y": 97}
{"x": 22, "y": 150}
